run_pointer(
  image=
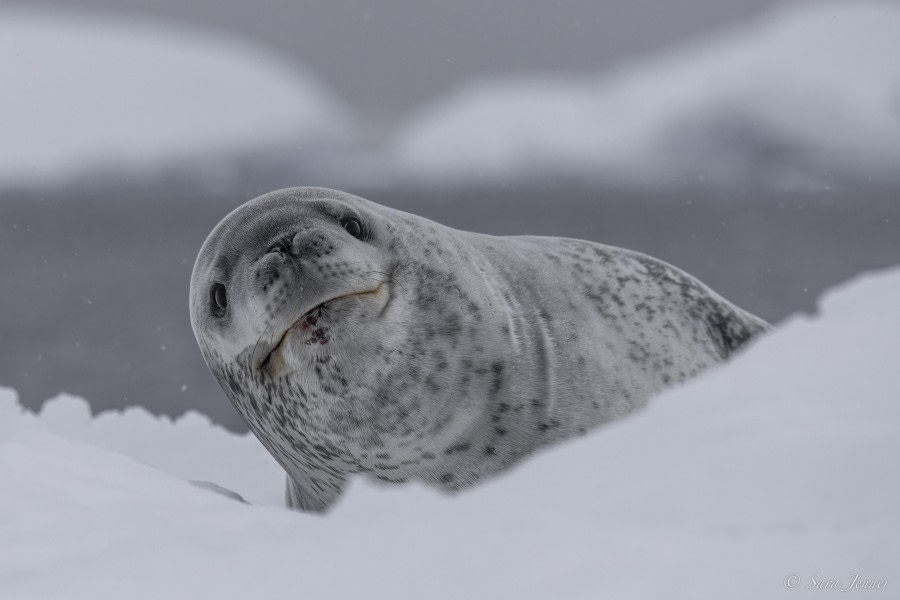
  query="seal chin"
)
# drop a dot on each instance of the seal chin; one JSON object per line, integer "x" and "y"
{"x": 268, "y": 356}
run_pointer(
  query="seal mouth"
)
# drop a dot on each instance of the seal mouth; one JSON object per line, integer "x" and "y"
{"x": 308, "y": 319}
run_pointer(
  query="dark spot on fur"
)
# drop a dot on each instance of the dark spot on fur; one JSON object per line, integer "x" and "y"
{"x": 497, "y": 382}
{"x": 457, "y": 448}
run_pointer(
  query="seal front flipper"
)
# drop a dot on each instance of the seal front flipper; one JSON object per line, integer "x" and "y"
{"x": 308, "y": 495}
{"x": 214, "y": 487}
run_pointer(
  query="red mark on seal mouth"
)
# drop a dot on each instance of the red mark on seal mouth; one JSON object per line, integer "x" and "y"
{"x": 311, "y": 318}
{"x": 304, "y": 323}
{"x": 309, "y": 321}
{"x": 317, "y": 337}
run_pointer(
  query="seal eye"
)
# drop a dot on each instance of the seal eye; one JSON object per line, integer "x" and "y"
{"x": 218, "y": 300}
{"x": 353, "y": 227}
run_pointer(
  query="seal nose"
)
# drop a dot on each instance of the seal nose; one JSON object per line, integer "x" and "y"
{"x": 273, "y": 267}
{"x": 287, "y": 259}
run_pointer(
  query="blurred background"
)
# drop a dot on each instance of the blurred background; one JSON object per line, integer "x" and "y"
{"x": 754, "y": 143}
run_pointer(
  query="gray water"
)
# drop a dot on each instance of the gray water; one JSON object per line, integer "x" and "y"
{"x": 95, "y": 283}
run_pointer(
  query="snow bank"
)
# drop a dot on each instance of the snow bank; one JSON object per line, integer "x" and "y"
{"x": 83, "y": 91}
{"x": 783, "y": 462}
{"x": 806, "y": 95}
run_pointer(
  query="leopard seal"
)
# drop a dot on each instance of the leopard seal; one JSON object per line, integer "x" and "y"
{"x": 355, "y": 338}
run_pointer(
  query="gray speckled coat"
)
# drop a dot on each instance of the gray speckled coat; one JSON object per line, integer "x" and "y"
{"x": 354, "y": 338}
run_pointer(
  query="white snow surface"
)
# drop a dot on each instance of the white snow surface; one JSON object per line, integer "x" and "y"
{"x": 782, "y": 462}
{"x": 81, "y": 91}
{"x": 808, "y": 94}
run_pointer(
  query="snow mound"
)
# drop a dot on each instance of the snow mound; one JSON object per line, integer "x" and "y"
{"x": 808, "y": 95}
{"x": 82, "y": 91}
{"x": 780, "y": 464}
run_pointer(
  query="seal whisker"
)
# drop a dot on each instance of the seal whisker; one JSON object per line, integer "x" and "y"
{"x": 390, "y": 278}
{"x": 256, "y": 345}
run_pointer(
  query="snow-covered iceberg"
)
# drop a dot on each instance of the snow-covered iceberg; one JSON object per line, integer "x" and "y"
{"x": 808, "y": 94}
{"x": 83, "y": 91}
{"x": 773, "y": 472}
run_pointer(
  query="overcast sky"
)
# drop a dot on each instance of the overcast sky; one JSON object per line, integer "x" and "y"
{"x": 389, "y": 56}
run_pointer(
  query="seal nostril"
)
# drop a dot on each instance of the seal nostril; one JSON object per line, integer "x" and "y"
{"x": 218, "y": 300}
